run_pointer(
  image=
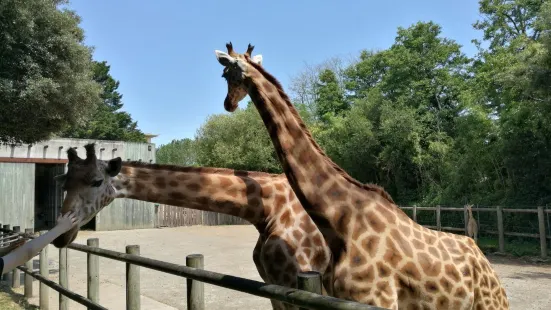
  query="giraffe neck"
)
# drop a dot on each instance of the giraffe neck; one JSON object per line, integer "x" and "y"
{"x": 237, "y": 193}
{"x": 322, "y": 187}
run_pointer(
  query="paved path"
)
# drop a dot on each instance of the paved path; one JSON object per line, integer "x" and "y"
{"x": 228, "y": 249}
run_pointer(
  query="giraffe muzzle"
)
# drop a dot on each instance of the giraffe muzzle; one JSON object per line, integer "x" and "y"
{"x": 66, "y": 238}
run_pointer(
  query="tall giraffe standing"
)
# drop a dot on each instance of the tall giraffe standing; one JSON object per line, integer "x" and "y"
{"x": 386, "y": 259}
{"x": 288, "y": 241}
{"x": 472, "y": 227}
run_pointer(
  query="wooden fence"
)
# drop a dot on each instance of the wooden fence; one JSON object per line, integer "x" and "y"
{"x": 307, "y": 296}
{"x": 499, "y": 231}
{"x": 172, "y": 216}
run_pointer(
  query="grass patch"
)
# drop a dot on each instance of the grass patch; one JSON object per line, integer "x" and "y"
{"x": 13, "y": 299}
{"x": 514, "y": 246}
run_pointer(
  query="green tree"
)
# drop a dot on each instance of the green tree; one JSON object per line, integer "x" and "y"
{"x": 238, "y": 141}
{"x": 512, "y": 82}
{"x": 505, "y": 20}
{"x": 330, "y": 98}
{"x": 178, "y": 152}
{"x": 410, "y": 93}
{"x": 108, "y": 122}
{"x": 45, "y": 71}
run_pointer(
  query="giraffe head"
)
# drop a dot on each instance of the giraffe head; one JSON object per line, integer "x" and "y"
{"x": 236, "y": 67}
{"x": 469, "y": 209}
{"x": 88, "y": 187}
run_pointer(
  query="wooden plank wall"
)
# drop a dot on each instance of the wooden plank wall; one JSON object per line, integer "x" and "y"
{"x": 17, "y": 194}
{"x": 126, "y": 213}
{"x": 171, "y": 216}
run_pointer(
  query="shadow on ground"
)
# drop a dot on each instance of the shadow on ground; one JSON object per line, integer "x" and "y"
{"x": 507, "y": 259}
{"x": 530, "y": 275}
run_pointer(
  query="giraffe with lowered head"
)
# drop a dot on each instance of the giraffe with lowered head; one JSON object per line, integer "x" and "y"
{"x": 288, "y": 241}
{"x": 385, "y": 258}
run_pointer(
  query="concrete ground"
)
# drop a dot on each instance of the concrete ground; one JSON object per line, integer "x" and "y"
{"x": 228, "y": 249}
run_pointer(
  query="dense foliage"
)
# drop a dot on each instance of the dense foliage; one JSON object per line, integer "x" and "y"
{"x": 45, "y": 71}
{"x": 49, "y": 84}
{"x": 420, "y": 118}
{"x": 107, "y": 121}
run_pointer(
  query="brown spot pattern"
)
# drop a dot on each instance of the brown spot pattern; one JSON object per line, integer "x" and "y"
{"x": 356, "y": 257}
{"x": 375, "y": 222}
{"x": 431, "y": 267}
{"x": 386, "y": 213}
{"x": 452, "y": 272}
{"x": 411, "y": 271}
{"x": 392, "y": 256}
{"x": 371, "y": 244}
{"x": 447, "y": 285}
{"x": 383, "y": 270}
{"x": 286, "y": 220}
{"x": 365, "y": 276}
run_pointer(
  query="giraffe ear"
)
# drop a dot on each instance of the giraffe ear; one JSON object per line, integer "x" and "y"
{"x": 114, "y": 166}
{"x": 257, "y": 59}
{"x": 224, "y": 58}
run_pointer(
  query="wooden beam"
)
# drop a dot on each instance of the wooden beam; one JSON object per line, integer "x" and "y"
{"x": 33, "y": 160}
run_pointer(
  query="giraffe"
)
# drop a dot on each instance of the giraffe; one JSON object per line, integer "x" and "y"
{"x": 385, "y": 258}
{"x": 472, "y": 227}
{"x": 288, "y": 241}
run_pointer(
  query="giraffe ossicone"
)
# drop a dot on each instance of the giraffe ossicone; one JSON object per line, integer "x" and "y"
{"x": 288, "y": 241}
{"x": 385, "y": 258}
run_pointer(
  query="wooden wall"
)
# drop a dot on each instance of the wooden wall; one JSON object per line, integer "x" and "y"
{"x": 17, "y": 194}
{"x": 171, "y": 216}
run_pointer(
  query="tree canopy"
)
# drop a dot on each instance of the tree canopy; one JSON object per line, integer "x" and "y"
{"x": 421, "y": 118}
{"x": 45, "y": 71}
{"x": 107, "y": 122}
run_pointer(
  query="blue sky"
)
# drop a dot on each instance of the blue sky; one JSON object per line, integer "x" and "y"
{"x": 162, "y": 52}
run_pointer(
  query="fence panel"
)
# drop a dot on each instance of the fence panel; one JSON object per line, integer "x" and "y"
{"x": 493, "y": 222}
{"x": 193, "y": 272}
{"x": 172, "y": 216}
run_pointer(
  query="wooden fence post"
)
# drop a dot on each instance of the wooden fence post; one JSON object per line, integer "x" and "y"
{"x": 438, "y": 220}
{"x": 16, "y": 273}
{"x": 195, "y": 289}
{"x": 44, "y": 300}
{"x": 414, "y": 211}
{"x": 7, "y": 275}
{"x": 132, "y": 280}
{"x": 93, "y": 271}
{"x": 28, "y": 286}
{"x": 543, "y": 239}
{"x": 466, "y": 217}
{"x": 501, "y": 236}
{"x": 63, "y": 278}
{"x": 309, "y": 281}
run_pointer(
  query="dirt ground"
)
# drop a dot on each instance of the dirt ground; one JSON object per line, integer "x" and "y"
{"x": 228, "y": 249}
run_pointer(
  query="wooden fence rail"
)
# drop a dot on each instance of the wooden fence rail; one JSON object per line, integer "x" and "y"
{"x": 500, "y": 232}
{"x": 307, "y": 298}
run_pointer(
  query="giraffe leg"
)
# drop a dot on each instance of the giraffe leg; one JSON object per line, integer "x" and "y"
{"x": 327, "y": 279}
{"x": 257, "y": 261}
{"x": 276, "y": 305}
{"x": 281, "y": 268}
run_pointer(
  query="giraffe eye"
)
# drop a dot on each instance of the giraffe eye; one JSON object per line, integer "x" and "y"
{"x": 97, "y": 183}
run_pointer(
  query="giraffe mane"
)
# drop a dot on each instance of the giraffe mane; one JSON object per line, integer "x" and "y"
{"x": 190, "y": 169}
{"x": 367, "y": 186}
